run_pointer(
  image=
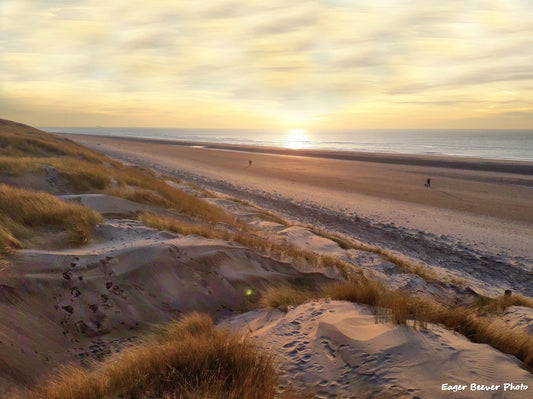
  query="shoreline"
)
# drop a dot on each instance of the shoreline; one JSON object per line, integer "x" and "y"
{"x": 359, "y": 183}
{"x": 438, "y": 161}
{"x": 476, "y": 224}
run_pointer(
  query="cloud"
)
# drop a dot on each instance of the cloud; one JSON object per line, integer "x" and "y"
{"x": 272, "y": 58}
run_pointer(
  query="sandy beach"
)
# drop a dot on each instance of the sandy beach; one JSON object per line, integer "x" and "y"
{"x": 493, "y": 188}
{"x": 425, "y": 256}
{"x": 476, "y": 223}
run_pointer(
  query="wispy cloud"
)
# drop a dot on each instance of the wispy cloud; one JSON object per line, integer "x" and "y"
{"x": 274, "y": 60}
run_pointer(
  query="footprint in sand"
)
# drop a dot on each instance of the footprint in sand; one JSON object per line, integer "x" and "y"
{"x": 315, "y": 314}
{"x": 306, "y": 358}
{"x": 294, "y": 353}
{"x": 327, "y": 345}
{"x": 323, "y": 383}
{"x": 289, "y": 344}
{"x": 301, "y": 347}
{"x": 69, "y": 309}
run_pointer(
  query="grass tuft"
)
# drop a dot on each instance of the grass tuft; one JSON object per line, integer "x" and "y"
{"x": 18, "y": 140}
{"x": 281, "y": 297}
{"x": 80, "y": 174}
{"x": 250, "y": 240}
{"x": 499, "y": 304}
{"x": 22, "y": 211}
{"x": 195, "y": 324}
{"x": 192, "y": 359}
{"x": 403, "y": 307}
{"x": 139, "y": 195}
{"x": 165, "y": 195}
{"x": 8, "y": 243}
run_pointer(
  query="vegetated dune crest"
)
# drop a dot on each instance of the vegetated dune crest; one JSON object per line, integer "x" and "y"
{"x": 88, "y": 302}
{"x": 342, "y": 349}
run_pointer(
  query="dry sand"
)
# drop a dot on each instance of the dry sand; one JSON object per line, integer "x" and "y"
{"x": 476, "y": 219}
{"x": 337, "y": 350}
{"x": 70, "y": 305}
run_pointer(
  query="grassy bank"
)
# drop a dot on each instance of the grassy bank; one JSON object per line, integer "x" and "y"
{"x": 471, "y": 322}
{"x": 190, "y": 358}
{"x": 35, "y": 164}
{"x": 22, "y": 212}
{"x": 281, "y": 250}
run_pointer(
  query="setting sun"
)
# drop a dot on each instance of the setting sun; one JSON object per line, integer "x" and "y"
{"x": 296, "y": 139}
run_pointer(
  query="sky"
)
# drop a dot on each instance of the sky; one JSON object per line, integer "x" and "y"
{"x": 343, "y": 64}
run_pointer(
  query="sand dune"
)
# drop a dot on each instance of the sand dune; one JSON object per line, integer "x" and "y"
{"x": 70, "y": 305}
{"x": 106, "y": 204}
{"x": 339, "y": 351}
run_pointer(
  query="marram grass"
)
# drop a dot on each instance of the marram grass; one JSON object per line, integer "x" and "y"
{"x": 403, "y": 306}
{"x": 22, "y": 211}
{"x": 189, "y": 359}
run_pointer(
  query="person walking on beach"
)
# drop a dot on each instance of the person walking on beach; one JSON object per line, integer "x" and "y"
{"x": 428, "y": 183}
{"x": 249, "y": 162}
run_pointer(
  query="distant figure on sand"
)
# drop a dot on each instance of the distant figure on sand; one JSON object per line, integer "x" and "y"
{"x": 250, "y": 162}
{"x": 428, "y": 183}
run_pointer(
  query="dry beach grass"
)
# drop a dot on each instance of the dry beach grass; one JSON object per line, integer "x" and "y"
{"x": 404, "y": 307}
{"x": 22, "y": 211}
{"x": 250, "y": 239}
{"x": 190, "y": 358}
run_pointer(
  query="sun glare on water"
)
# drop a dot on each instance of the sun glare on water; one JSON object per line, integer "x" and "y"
{"x": 296, "y": 139}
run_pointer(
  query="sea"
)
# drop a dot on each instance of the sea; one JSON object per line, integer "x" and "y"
{"x": 489, "y": 144}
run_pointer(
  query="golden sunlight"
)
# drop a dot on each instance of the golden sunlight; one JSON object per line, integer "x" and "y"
{"x": 296, "y": 139}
